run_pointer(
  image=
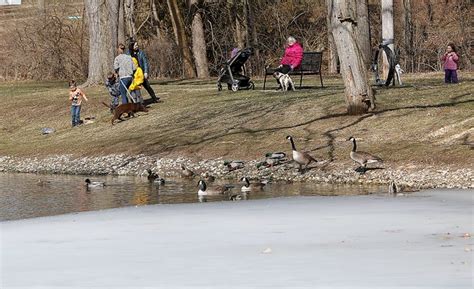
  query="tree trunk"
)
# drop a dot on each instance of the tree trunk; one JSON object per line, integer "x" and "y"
{"x": 121, "y": 22}
{"x": 332, "y": 51}
{"x": 181, "y": 38}
{"x": 239, "y": 32}
{"x": 409, "y": 51}
{"x": 363, "y": 31}
{"x": 129, "y": 8}
{"x": 102, "y": 38}
{"x": 387, "y": 32}
{"x": 464, "y": 9}
{"x": 199, "y": 41}
{"x": 359, "y": 94}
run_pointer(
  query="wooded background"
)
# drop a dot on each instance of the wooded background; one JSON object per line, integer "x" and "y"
{"x": 44, "y": 39}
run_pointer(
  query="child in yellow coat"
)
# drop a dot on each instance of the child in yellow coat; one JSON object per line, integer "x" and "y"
{"x": 137, "y": 81}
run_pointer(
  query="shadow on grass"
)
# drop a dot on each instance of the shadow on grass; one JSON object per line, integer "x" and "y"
{"x": 236, "y": 130}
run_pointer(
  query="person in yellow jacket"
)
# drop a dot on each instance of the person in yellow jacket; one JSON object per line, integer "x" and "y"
{"x": 137, "y": 82}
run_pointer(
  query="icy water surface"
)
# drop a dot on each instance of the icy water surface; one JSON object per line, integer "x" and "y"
{"x": 30, "y": 195}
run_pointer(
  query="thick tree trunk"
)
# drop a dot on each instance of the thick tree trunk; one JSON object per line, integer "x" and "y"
{"x": 181, "y": 38}
{"x": 409, "y": 50}
{"x": 464, "y": 8}
{"x": 199, "y": 42}
{"x": 363, "y": 31}
{"x": 102, "y": 38}
{"x": 359, "y": 94}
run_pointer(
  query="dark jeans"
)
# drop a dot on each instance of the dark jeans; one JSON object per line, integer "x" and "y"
{"x": 124, "y": 85}
{"x": 75, "y": 114}
{"x": 450, "y": 76}
{"x": 150, "y": 90}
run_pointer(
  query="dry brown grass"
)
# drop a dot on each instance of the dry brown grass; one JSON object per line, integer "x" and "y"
{"x": 423, "y": 123}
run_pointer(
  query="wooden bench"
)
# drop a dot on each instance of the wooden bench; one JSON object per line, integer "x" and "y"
{"x": 310, "y": 65}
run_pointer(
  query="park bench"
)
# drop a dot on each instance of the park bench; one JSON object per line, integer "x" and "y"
{"x": 310, "y": 65}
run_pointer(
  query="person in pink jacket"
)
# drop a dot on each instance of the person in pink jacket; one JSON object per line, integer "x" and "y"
{"x": 450, "y": 60}
{"x": 292, "y": 58}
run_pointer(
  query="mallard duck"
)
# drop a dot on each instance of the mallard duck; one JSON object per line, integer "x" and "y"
{"x": 276, "y": 155}
{"x": 209, "y": 178}
{"x": 301, "y": 158}
{"x": 362, "y": 158}
{"x": 42, "y": 183}
{"x": 234, "y": 165}
{"x": 90, "y": 184}
{"x": 185, "y": 172}
{"x": 248, "y": 186}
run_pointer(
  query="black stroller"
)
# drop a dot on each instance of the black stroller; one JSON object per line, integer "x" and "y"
{"x": 231, "y": 72}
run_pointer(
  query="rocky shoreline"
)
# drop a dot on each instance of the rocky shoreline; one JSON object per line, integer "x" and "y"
{"x": 408, "y": 177}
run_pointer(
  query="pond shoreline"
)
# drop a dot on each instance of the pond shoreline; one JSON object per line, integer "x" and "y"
{"x": 408, "y": 177}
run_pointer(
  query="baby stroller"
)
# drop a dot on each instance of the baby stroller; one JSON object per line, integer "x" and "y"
{"x": 231, "y": 72}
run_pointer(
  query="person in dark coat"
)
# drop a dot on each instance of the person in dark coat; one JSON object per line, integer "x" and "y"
{"x": 140, "y": 55}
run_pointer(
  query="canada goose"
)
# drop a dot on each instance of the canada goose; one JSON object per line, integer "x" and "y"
{"x": 301, "y": 158}
{"x": 151, "y": 175}
{"x": 234, "y": 165}
{"x": 185, "y": 172}
{"x": 210, "y": 191}
{"x": 276, "y": 155}
{"x": 393, "y": 188}
{"x": 362, "y": 158}
{"x": 159, "y": 181}
{"x": 247, "y": 187}
{"x": 90, "y": 184}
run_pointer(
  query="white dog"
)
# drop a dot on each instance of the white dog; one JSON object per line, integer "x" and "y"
{"x": 398, "y": 74}
{"x": 284, "y": 80}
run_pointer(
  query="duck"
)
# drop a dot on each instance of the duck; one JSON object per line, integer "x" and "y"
{"x": 238, "y": 196}
{"x": 90, "y": 184}
{"x": 276, "y": 155}
{"x": 209, "y": 178}
{"x": 248, "y": 186}
{"x": 43, "y": 183}
{"x": 205, "y": 191}
{"x": 362, "y": 158}
{"x": 185, "y": 172}
{"x": 301, "y": 158}
{"x": 151, "y": 175}
{"x": 234, "y": 165}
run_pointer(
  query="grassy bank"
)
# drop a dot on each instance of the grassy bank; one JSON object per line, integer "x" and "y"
{"x": 423, "y": 123}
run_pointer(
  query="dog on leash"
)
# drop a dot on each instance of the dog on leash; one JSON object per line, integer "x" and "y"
{"x": 285, "y": 81}
{"x": 130, "y": 108}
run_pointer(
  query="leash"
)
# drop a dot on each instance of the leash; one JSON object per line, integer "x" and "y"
{"x": 129, "y": 96}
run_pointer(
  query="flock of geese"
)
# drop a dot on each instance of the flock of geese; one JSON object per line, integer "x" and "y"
{"x": 301, "y": 158}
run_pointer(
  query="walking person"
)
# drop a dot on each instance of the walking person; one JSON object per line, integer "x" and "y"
{"x": 450, "y": 59}
{"x": 76, "y": 96}
{"x": 123, "y": 66}
{"x": 140, "y": 55}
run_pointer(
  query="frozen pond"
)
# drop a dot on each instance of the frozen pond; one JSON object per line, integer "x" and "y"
{"x": 30, "y": 195}
{"x": 422, "y": 240}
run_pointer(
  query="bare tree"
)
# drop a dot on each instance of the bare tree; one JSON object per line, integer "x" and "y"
{"x": 199, "y": 42}
{"x": 363, "y": 31}
{"x": 332, "y": 51}
{"x": 181, "y": 38}
{"x": 359, "y": 95}
{"x": 102, "y": 18}
{"x": 387, "y": 32}
{"x": 408, "y": 27}
{"x": 129, "y": 8}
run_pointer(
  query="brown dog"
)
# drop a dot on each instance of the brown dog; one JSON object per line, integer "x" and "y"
{"x": 129, "y": 108}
